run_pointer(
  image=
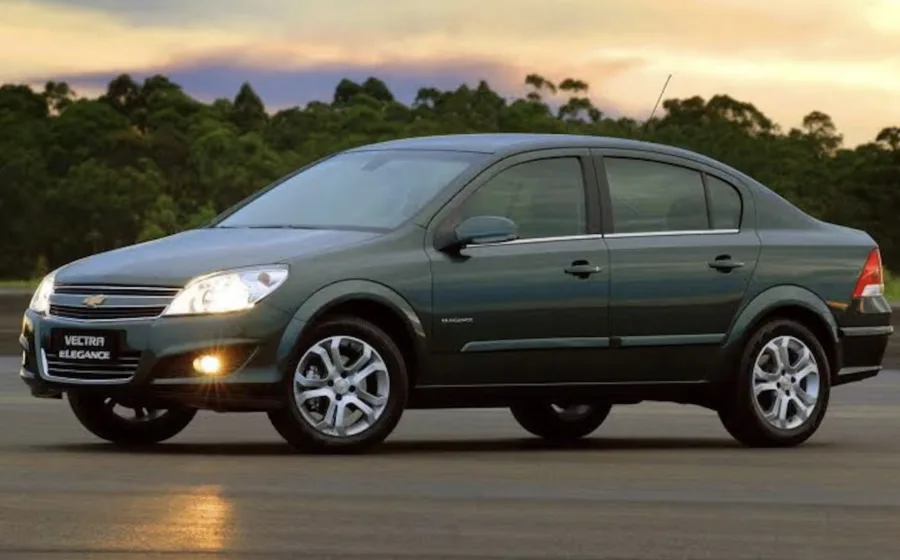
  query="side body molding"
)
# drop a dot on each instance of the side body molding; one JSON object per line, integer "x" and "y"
{"x": 339, "y": 292}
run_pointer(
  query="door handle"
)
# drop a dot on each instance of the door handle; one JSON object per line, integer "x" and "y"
{"x": 582, "y": 269}
{"x": 724, "y": 263}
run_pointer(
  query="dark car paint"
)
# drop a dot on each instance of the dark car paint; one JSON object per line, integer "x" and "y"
{"x": 494, "y": 320}
{"x": 173, "y": 260}
{"x": 668, "y": 329}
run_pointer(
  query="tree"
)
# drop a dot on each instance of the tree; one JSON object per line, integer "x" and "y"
{"x": 249, "y": 111}
{"x": 145, "y": 160}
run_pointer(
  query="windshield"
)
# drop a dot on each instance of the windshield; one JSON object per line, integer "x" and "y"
{"x": 367, "y": 189}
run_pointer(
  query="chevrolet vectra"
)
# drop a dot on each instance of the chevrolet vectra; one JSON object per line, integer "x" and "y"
{"x": 553, "y": 275}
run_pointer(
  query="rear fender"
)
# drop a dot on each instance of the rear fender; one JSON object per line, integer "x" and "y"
{"x": 763, "y": 305}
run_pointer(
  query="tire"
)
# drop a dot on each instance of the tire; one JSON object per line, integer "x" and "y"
{"x": 543, "y": 420}
{"x": 97, "y": 414}
{"x": 744, "y": 416}
{"x": 372, "y": 417}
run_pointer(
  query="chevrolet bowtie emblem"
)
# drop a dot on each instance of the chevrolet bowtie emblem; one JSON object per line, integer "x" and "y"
{"x": 93, "y": 301}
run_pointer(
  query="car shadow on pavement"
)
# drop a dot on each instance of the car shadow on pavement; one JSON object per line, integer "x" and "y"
{"x": 424, "y": 447}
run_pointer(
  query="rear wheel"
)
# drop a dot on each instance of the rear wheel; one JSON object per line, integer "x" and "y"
{"x": 347, "y": 391}
{"x": 556, "y": 422}
{"x": 782, "y": 387}
{"x": 128, "y": 423}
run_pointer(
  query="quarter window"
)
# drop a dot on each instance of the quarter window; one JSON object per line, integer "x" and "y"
{"x": 724, "y": 204}
{"x": 544, "y": 197}
{"x": 649, "y": 196}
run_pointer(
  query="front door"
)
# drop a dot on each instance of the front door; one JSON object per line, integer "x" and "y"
{"x": 524, "y": 311}
{"x": 683, "y": 248}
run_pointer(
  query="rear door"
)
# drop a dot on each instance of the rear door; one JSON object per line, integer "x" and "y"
{"x": 510, "y": 313}
{"x": 683, "y": 248}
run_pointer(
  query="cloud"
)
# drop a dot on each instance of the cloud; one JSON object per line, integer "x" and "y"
{"x": 800, "y": 27}
{"x": 524, "y": 31}
{"x": 37, "y": 40}
{"x": 279, "y": 87}
{"x": 785, "y": 57}
{"x": 282, "y": 86}
{"x": 153, "y": 13}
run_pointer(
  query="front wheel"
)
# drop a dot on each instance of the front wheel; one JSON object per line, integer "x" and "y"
{"x": 781, "y": 390}
{"x": 346, "y": 392}
{"x": 128, "y": 423}
{"x": 560, "y": 423}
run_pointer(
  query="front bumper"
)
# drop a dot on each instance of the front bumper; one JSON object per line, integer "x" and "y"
{"x": 156, "y": 358}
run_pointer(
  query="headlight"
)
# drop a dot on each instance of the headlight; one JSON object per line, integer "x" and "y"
{"x": 227, "y": 291}
{"x": 40, "y": 301}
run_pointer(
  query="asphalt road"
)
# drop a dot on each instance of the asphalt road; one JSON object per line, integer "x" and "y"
{"x": 656, "y": 482}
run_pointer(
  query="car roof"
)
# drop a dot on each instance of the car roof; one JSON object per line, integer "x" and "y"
{"x": 504, "y": 143}
{"x": 493, "y": 143}
{"x": 478, "y": 142}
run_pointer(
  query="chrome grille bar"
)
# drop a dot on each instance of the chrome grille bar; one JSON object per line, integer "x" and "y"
{"x": 130, "y": 291}
{"x": 98, "y": 303}
{"x": 120, "y": 371}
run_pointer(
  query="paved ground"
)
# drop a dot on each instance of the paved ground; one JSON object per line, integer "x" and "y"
{"x": 657, "y": 482}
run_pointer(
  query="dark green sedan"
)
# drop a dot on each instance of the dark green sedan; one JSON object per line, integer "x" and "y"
{"x": 553, "y": 275}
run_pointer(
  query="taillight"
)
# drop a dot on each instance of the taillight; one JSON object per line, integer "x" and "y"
{"x": 871, "y": 279}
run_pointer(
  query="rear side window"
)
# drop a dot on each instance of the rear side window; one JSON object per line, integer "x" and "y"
{"x": 648, "y": 196}
{"x": 544, "y": 197}
{"x": 725, "y": 206}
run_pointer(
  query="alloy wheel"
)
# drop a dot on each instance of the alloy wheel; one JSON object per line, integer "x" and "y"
{"x": 341, "y": 386}
{"x": 785, "y": 382}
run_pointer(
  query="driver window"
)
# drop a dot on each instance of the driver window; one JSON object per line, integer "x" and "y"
{"x": 544, "y": 197}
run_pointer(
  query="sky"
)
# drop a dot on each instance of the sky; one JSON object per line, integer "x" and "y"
{"x": 787, "y": 57}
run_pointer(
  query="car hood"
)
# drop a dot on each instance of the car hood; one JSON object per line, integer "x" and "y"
{"x": 173, "y": 260}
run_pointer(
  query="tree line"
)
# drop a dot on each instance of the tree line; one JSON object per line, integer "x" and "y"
{"x": 143, "y": 160}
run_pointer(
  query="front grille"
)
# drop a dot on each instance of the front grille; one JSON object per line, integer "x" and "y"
{"x": 93, "y": 302}
{"x": 121, "y": 370}
{"x": 106, "y": 313}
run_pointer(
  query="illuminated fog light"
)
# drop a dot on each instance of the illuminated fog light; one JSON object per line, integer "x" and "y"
{"x": 208, "y": 365}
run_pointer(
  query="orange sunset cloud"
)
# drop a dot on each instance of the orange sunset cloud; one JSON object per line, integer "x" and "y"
{"x": 788, "y": 58}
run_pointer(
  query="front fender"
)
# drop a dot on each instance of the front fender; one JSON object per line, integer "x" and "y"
{"x": 333, "y": 294}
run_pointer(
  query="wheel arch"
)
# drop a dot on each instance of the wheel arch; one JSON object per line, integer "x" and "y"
{"x": 367, "y": 300}
{"x": 787, "y": 302}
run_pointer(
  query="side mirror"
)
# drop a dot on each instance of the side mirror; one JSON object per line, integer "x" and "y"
{"x": 477, "y": 230}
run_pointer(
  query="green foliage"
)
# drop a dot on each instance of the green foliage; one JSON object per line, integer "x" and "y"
{"x": 19, "y": 285}
{"x": 891, "y": 287}
{"x": 145, "y": 160}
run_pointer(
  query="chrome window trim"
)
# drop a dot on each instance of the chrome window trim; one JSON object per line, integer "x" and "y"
{"x": 590, "y": 236}
{"x": 674, "y": 233}
{"x": 533, "y": 240}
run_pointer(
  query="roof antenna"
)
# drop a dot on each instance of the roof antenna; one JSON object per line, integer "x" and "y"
{"x": 658, "y": 99}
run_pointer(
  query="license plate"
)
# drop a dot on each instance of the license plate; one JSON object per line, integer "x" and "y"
{"x": 89, "y": 347}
